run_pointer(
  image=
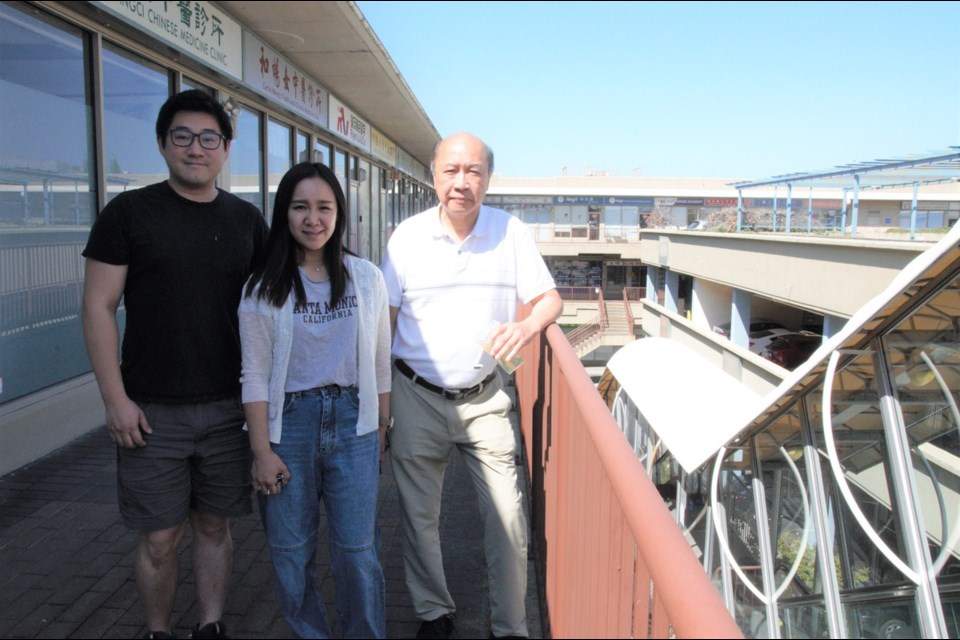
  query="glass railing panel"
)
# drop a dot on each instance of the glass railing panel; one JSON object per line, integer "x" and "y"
{"x": 881, "y": 617}
{"x": 854, "y": 443}
{"x": 786, "y": 487}
{"x": 804, "y": 620}
{"x": 923, "y": 353}
{"x": 741, "y": 531}
{"x": 950, "y": 601}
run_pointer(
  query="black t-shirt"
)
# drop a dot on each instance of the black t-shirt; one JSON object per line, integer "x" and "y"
{"x": 186, "y": 263}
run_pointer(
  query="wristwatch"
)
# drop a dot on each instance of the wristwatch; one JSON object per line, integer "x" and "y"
{"x": 387, "y": 422}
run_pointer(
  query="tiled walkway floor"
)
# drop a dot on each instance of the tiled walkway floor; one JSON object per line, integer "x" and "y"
{"x": 66, "y": 567}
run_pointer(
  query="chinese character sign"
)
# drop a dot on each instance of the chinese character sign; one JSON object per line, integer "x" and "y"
{"x": 196, "y": 28}
{"x": 269, "y": 73}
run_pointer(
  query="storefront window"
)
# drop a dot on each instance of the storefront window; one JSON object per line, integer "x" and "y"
{"x": 593, "y": 226}
{"x": 303, "y": 143}
{"x": 389, "y": 187}
{"x": 535, "y": 216}
{"x": 405, "y": 211}
{"x": 366, "y": 218}
{"x": 561, "y": 226}
{"x": 47, "y": 201}
{"x": 245, "y": 154}
{"x": 924, "y": 220}
{"x": 630, "y": 223}
{"x": 377, "y": 217}
{"x": 340, "y": 169}
{"x": 577, "y": 273}
{"x": 356, "y": 241}
{"x": 321, "y": 153}
{"x": 578, "y": 221}
{"x": 189, "y": 83}
{"x": 278, "y": 158}
{"x": 133, "y": 92}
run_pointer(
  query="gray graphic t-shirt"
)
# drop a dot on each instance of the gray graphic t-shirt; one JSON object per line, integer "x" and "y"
{"x": 324, "y": 338}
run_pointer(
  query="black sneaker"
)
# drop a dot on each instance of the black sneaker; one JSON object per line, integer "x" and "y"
{"x": 211, "y": 630}
{"x": 441, "y": 627}
{"x": 160, "y": 635}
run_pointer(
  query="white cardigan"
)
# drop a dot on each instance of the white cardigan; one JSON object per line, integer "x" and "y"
{"x": 266, "y": 337}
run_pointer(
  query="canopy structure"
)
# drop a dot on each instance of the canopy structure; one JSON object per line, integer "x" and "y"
{"x": 942, "y": 166}
{"x": 694, "y": 419}
{"x": 911, "y": 171}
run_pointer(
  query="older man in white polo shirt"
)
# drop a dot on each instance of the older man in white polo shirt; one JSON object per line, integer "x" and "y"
{"x": 453, "y": 271}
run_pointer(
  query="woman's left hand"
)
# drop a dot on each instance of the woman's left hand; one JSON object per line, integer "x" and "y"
{"x": 269, "y": 473}
{"x": 384, "y": 443}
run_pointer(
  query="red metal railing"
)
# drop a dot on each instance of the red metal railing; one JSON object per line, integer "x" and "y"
{"x": 602, "y": 306}
{"x": 612, "y": 562}
{"x": 579, "y": 293}
{"x": 626, "y": 304}
{"x": 592, "y": 327}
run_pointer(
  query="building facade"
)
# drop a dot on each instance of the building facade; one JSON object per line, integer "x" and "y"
{"x": 80, "y": 87}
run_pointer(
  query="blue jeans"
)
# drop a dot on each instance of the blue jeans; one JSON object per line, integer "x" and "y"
{"x": 329, "y": 462}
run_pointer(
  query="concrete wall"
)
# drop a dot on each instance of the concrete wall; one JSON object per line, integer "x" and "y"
{"x": 753, "y": 371}
{"x": 829, "y": 276}
{"x": 711, "y": 304}
{"x": 42, "y": 422}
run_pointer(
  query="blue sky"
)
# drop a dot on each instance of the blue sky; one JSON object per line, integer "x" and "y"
{"x": 729, "y": 90}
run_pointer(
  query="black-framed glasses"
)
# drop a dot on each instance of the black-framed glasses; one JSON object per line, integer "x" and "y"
{"x": 182, "y": 137}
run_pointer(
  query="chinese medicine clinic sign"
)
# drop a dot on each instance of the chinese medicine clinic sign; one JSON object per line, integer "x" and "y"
{"x": 198, "y": 29}
{"x": 348, "y": 125}
{"x": 269, "y": 73}
{"x": 382, "y": 147}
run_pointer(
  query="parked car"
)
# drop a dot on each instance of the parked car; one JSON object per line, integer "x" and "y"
{"x": 792, "y": 349}
{"x": 760, "y": 339}
{"x": 697, "y": 225}
{"x": 756, "y": 325}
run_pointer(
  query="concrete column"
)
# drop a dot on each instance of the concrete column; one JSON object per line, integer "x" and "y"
{"x": 671, "y": 291}
{"x": 652, "y": 283}
{"x": 832, "y": 324}
{"x": 740, "y": 317}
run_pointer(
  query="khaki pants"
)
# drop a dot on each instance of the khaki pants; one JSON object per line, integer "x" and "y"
{"x": 427, "y": 429}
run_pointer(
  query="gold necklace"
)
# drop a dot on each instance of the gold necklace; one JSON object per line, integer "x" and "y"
{"x": 317, "y": 269}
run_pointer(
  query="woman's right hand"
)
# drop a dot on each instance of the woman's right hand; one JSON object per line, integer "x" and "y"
{"x": 269, "y": 473}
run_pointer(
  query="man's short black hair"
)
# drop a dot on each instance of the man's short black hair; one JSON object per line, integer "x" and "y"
{"x": 192, "y": 100}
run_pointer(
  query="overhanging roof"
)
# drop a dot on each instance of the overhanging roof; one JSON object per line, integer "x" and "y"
{"x": 929, "y": 168}
{"x": 333, "y": 42}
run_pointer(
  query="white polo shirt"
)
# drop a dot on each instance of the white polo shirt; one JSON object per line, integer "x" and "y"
{"x": 448, "y": 291}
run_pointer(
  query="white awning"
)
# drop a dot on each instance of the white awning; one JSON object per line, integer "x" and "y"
{"x": 693, "y": 406}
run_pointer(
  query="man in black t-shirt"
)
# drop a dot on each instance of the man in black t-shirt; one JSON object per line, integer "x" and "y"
{"x": 177, "y": 253}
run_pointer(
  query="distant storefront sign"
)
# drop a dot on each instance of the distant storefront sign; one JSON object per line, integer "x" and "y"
{"x": 629, "y": 201}
{"x": 907, "y": 205}
{"x": 347, "y": 125}
{"x": 382, "y": 147}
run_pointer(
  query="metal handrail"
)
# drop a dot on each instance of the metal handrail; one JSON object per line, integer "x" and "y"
{"x": 612, "y": 560}
{"x": 626, "y": 304}
{"x": 602, "y": 306}
{"x": 590, "y": 328}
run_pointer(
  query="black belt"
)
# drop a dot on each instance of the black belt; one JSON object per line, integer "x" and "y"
{"x": 448, "y": 394}
{"x": 333, "y": 390}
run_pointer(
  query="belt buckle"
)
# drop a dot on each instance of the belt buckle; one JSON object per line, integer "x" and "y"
{"x": 472, "y": 391}
{"x": 451, "y": 394}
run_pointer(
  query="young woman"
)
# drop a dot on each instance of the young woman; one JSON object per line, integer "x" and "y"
{"x": 315, "y": 336}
